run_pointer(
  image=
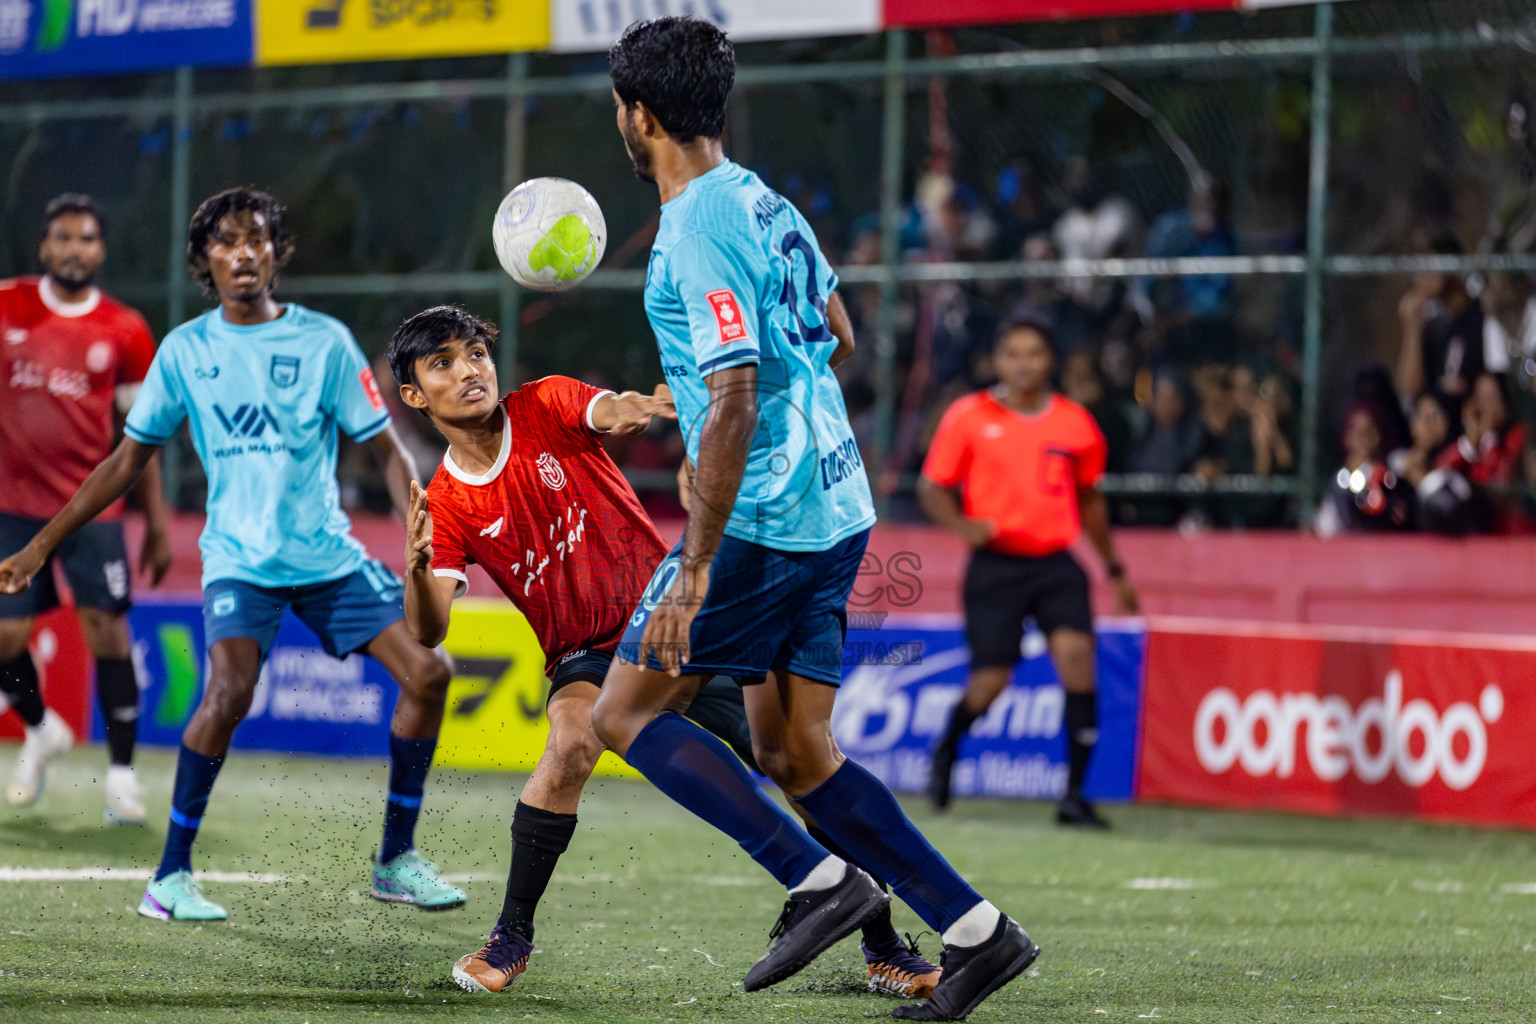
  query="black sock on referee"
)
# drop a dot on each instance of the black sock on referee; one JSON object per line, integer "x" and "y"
{"x": 1082, "y": 733}
{"x": 539, "y": 837}
{"x": 959, "y": 722}
{"x": 117, "y": 690}
{"x": 18, "y": 678}
{"x": 879, "y": 934}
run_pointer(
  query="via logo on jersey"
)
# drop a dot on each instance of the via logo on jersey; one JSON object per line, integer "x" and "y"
{"x": 248, "y": 420}
{"x": 550, "y": 471}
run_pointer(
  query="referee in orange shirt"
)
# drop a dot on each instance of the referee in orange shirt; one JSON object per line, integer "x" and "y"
{"x": 1014, "y": 469}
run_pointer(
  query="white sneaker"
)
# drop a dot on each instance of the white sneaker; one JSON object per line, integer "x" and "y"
{"x": 44, "y": 743}
{"x": 124, "y": 805}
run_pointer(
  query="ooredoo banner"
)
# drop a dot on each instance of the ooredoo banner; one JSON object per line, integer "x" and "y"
{"x": 579, "y": 25}
{"x": 1326, "y": 721}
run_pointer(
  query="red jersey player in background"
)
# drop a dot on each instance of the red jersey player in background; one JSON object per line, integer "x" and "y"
{"x": 1026, "y": 463}
{"x": 73, "y": 362}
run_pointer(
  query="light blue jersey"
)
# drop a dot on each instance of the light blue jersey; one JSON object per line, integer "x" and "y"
{"x": 736, "y": 277}
{"x": 265, "y": 403}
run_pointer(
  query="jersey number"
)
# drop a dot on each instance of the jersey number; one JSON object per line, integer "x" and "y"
{"x": 805, "y": 334}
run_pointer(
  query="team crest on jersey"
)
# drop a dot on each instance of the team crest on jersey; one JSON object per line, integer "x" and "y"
{"x": 550, "y": 471}
{"x": 98, "y": 358}
{"x": 285, "y": 371}
{"x": 15, "y": 335}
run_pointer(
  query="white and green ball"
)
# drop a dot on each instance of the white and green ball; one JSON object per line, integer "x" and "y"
{"x": 549, "y": 234}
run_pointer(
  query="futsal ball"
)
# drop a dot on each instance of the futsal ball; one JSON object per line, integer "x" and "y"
{"x": 549, "y": 234}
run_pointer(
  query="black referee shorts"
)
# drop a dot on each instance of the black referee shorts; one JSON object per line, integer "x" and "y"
{"x": 1001, "y": 591}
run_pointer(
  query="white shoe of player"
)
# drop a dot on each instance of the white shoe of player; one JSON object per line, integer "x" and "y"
{"x": 49, "y": 740}
{"x": 124, "y": 805}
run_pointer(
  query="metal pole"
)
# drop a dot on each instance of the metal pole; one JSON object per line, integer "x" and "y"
{"x": 181, "y": 207}
{"x": 1317, "y": 243}
{"x": 513, "y": 156}
{"x": 891, "y": 167}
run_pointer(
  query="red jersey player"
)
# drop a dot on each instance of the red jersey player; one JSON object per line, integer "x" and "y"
{"x": 73, "y": 361}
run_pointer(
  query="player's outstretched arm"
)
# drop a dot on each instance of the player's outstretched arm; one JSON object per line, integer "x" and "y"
{"x": 1095, "y": 513}
{"x": 630, "y": 412}
{"x": 399, "y": 470}
{"x": 725, "y": 440}
{"x": 107, "y": 482}
{"x": 155, "y": 552}
{"x": 428, "y": 598}
{"x": 842, "y": 329}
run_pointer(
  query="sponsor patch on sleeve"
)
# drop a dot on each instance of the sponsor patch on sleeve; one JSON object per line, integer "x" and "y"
{"x": 371, "y": 386}
{"x": 728, "y": 317}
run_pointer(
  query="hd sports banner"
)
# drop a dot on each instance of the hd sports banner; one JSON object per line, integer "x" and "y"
{"x": 324, "y": 31}
{"x": 585, "y": 25}
{"x": 45, "y": 38}
{"x": 1340, "y": 722}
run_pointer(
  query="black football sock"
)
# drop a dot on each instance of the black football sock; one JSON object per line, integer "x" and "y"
{"x": 959, "y": 722}
{"x": 539, "y": 837}
{"x": 879, "y": 934}
{"x": 117, "y": 690}
{"x": 1082, "y": 733}
{"x": 18, "y": 678}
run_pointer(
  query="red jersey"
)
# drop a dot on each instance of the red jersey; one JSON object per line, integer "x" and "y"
{"x": 554, "y": 522}
{"x": 1020, "y": 471}
{"x": 67, "y": 368}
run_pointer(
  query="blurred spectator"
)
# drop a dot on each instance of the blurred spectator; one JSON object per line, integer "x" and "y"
{"x": 1191, "y": 317}
{"x": 1082, "y": 382}
{"x": 1023, "y": 211}
{"x": 1442, "y": 348}
{"x": 1490, "y": 451}
{"x": 1365, "y": 495}
{"x": 1169, "y": 448}
{"x": 1373, "y": 388}
{"x": 1430, "y": 427}
{"x": 1096, "y": 225}
{"x": 1226, "y": 442}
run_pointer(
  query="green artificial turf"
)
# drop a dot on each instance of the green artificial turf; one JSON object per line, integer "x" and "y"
{"x": 1174, "y": 915}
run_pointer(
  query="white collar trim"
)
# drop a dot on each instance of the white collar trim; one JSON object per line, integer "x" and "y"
{"x": 495, "y": 470}
{"x": 59, "y": 307}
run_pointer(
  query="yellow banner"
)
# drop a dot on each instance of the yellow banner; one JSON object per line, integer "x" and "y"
{"x": 495, "y": 718}
{"x": 323, "y": 31}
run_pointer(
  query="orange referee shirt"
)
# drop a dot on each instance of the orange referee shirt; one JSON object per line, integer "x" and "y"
{"x": 1019, "y": 471}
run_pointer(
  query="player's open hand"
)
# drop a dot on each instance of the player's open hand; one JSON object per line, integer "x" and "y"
{"x": 666, "y": 634}
{"x": 978, "y": 533}
{"x": 154, "y": 557}
{"x": 1126, "y": 598}
{"x": 418, "y": 531}
{"x": 17, "y": 571}
{"x": 632, "y": 411}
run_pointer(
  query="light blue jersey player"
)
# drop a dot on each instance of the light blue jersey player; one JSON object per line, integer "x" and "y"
{"x": 265, "y": 388}
{"x": 779, "y": 511}
{"x": 736, "y": 278}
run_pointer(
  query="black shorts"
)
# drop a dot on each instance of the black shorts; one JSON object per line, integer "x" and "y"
{"x": 718, "y": 708}
{"x": 94, "y": 560}
{"x": 1001, "y": 591}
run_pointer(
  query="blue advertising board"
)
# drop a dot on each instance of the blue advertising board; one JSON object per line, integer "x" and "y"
{"x": 44, "y": 38}
{"x": 895, "y": 703}
{"x": 306, "y": 701}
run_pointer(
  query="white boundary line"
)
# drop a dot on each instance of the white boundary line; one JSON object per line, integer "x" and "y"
{"x": 105, "y": 874}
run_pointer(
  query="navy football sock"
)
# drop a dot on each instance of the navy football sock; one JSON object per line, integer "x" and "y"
{"x": 859, "y": 812}
{"x": 700, "y": 772}
{"x": 879, "y": 933}
{"x": 195, "y": 774}
{"x": 18, "y": 678}
{"x": 409, "y": 760}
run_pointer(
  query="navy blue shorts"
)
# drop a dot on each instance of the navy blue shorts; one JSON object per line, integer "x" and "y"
{"x": 94, "y": 560}
{"x": 766, "y": 609}
{"x": 345, "y": 614}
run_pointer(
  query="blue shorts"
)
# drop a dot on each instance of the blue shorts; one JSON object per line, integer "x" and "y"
{"x": 345, "y": 614}
{"x": 766, "y": 609}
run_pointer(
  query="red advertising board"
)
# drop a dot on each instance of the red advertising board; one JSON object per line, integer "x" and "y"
{"x": 927, "y": 14}
{"x": 1340, "y": 722}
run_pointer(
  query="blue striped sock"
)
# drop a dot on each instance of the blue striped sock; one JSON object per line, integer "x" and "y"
{"x": 409, "y": 760}
{"x": 195, "y": 774}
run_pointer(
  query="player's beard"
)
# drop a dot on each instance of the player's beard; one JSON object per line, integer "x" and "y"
{"x": 639, "y": 156}
{"x": 71, "y": 275}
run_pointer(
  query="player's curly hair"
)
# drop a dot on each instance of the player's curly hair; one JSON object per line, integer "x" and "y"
{"x": 681, "y": 68}
{"x": 428, "y": 331}
{"x": 220, "y": 205}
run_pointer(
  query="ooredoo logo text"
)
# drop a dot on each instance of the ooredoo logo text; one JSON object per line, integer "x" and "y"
{"x": 1267, "y": 733}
